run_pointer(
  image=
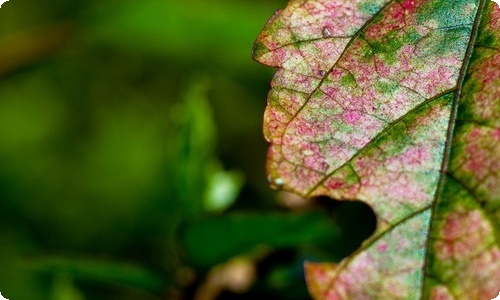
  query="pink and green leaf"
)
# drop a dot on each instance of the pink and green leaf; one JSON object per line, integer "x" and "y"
{"x": 397, "y": 104}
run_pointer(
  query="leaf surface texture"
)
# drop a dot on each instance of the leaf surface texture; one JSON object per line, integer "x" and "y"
{"x": 397, "y": 104}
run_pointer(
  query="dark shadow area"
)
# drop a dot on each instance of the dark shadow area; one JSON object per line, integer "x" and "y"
{"x": 356, "y": 220}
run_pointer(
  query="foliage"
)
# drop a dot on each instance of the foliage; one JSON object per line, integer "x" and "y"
{"x": 394, "y": 103}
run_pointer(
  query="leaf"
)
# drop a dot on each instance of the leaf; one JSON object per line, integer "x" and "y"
{"x": 394, "y": 103}
{"x": 242, "y": 233}
{"x": 124, "y": 274}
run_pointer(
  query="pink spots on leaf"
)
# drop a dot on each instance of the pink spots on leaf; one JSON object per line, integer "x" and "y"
{"x": 307, "y": 129}
{"x": 489, "y": 70}
{"x": 275, "y": 119}
{"x": 477, "y": 160}
{"x": 463, "y": 235}
{"x": 397, "y": 13}
{"x": 496, "y": 135}
{"x": 351, "y": 116}
{"x": 486, "y": 82}
{"x": 415, "y": 156}
{"x": 335, "y": 184}
{"x": 429, "y": 76}
{"x": 363, "y": 70}
{"x": 358, "y": 132}
{"x": 413, "y": 159}
{"x": 441, "y": 293}
{"x": 395, "y": 193}
{"x": 315, "y": 163}
{"x": 393, "y": 20}
{"x": 294, "y": 81}
{"x": 404, "y": 188}
{"x": 382, "y": 247}
{"x": 483, "y": 270}
{"x": 342, "y": 184}
{"x": 409, "y": 5}
{"x": 474, "y": 277}
{"x": 360, "y": 270}
{"x": 480, "y": 157}
{"x": 439, "y": 79}
{"x": 367, "y": 122}
{"x": 494, "y": 17}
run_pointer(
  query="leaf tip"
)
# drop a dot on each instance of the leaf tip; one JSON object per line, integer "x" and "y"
{"x": 259, "y": 48}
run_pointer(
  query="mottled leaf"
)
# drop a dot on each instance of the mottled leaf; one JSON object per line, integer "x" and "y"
{"x": 397, "y": 104}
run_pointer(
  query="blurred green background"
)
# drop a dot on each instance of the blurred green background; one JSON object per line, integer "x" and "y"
{"x": 132, "y": 163}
